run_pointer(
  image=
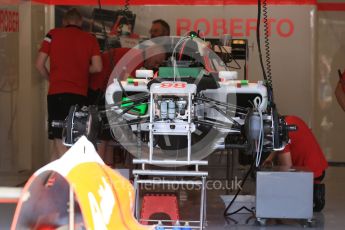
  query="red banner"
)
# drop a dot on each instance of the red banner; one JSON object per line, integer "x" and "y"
{"x": 9, "y": 21}
{"x": 176, "y": 2}
{"x": 331, "y": 6}
{"x": 9, "y": 2}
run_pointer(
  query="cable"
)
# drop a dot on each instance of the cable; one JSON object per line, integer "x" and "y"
{"x": 184, "y": 39}
{"x": 257, "y": 103}
{"x": 126, "y": 8}
{"x": 240, "y": 209}
{"x": 226, "y": 214}
{"x": 182, "y": 50}
{"x": 258, "y": 40}
{"x": 207, "y": 64}
{"x": 267, "y": 44}
{"x": 173, "y": 59}
{"x": 231, "y": 58}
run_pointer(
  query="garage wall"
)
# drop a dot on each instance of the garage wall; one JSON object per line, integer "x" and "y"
{"x": 329, "y": 118}
{"x": 23, "y": 141}
{"x": 9, "y": 82}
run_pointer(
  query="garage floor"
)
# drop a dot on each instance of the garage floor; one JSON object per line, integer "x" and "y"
{"x": 332, "y": 217}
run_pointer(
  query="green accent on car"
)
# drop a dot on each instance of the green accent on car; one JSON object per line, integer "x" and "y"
{"x": 140, "y": 109}
{"x": 244, "y": 82}
{"x": 168, "y": 72}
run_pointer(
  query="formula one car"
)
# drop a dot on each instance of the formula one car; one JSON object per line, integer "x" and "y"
{"x": 192, "y": 106}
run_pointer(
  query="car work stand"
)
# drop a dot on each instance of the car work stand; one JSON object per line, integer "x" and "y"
{"x": 198, "y": 178}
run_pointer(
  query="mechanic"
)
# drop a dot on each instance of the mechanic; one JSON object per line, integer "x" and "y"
{"x": 159, "y": 31}
{"x": 340, "y": 90}
{"x": 155, "y": 56}
{"x": 159, "y": 28}
{"x": 98, "y": 83}
{"x": 73, "y": 54}
{"x": 303, "y": 151}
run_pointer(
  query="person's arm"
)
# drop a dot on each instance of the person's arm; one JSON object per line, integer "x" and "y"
{"x": 41, "y": 64}
{"x": 96, "y": 64}
{"x": 340, "y": 94}
{"x": 284, "y": 159}
{"x": 269, "y": 160}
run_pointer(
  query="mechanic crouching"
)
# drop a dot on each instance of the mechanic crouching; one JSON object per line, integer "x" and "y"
{"x": 303, "y": 150}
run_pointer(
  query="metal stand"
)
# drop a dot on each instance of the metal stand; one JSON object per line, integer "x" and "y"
{"x": 169, "y": 122}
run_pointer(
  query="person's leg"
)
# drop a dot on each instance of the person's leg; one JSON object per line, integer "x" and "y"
{"x": 101, "y": 148}
{"x": 53, "y": 114}
{"x": 59, "y": 149}
{"x": 105, "y": 151}
{"x": 109, "y": 154}
{"x": 320, "y": 178}
{"x": 58, "y": 109}
{"x": 319, "y": 193}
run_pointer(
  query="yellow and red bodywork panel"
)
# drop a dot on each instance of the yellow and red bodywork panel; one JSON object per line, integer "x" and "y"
{"x": 103, "y": 198}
